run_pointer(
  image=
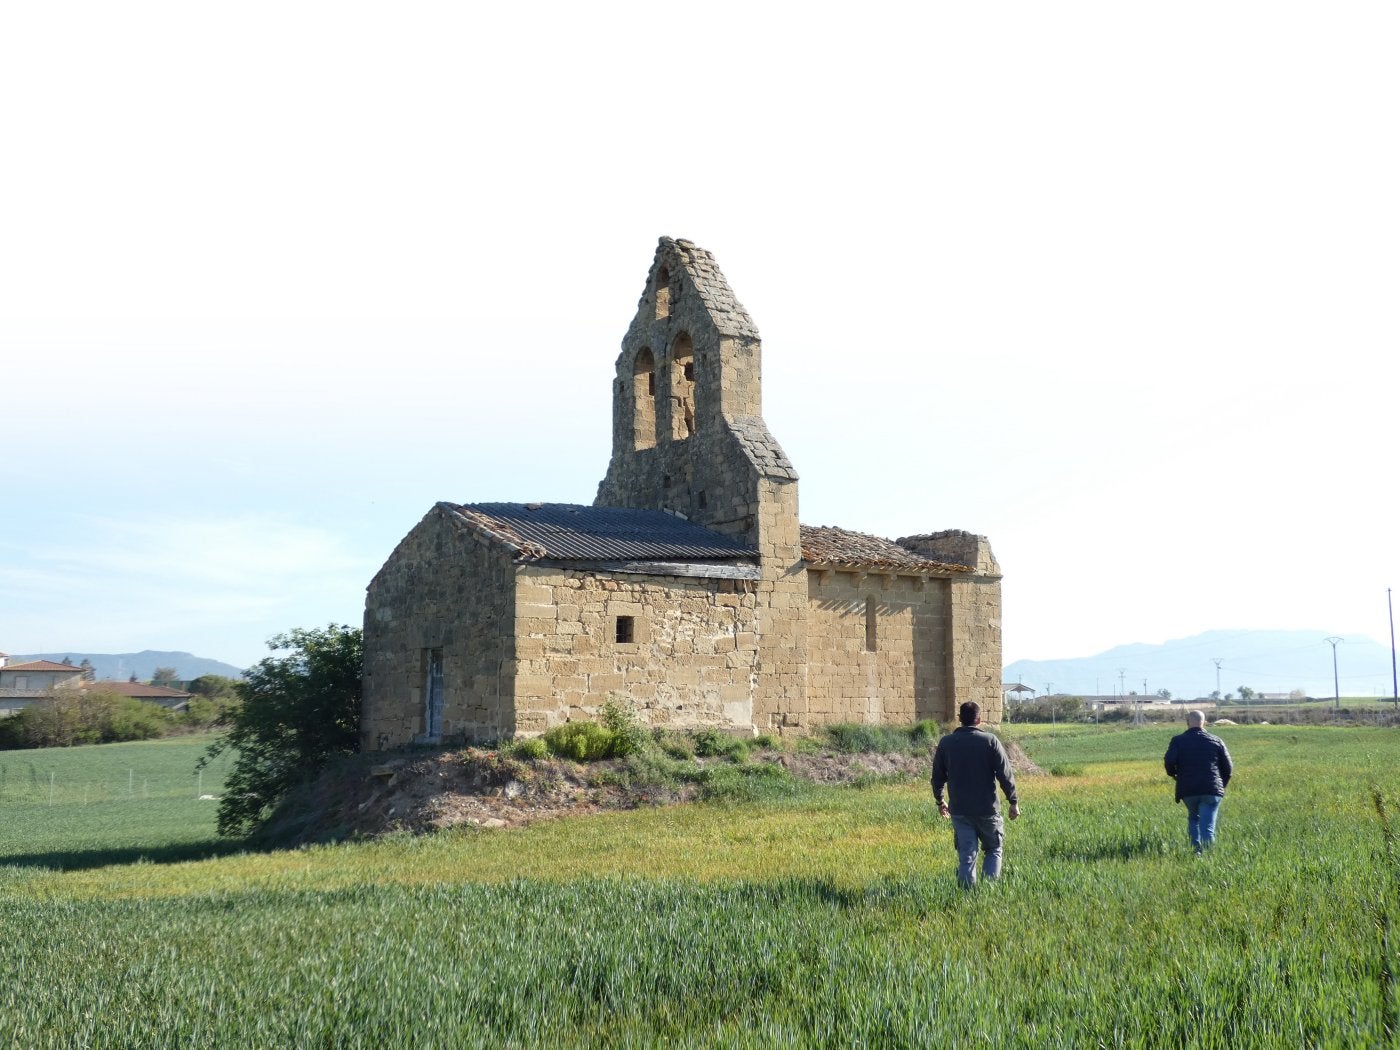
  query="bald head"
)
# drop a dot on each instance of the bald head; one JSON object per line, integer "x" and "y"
{"x": 1195, "y": 719}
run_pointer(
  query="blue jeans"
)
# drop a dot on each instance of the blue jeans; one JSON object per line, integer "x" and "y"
{"x": 1200, "y": 819}
{"x": 968, "y": 834}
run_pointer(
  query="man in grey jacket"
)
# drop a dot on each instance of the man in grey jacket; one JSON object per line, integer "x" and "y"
{"x": 970, "y": 762}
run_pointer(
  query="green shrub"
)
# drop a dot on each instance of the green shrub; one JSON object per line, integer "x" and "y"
{"x": 528, "y": 749}
{"x": 676, "y": 745}
{"x": 131, "y": 719}
{"x": 746, "y": 783}
{"x": 629, "y": 735}
{"x": 581, "y": 741}
{"x": 766, "y": 742}
{"x": 70, "y": 717}
{"x": 854, "y": 737}
{"x": 924, "y": 734}
{"x": 712, "y": 743}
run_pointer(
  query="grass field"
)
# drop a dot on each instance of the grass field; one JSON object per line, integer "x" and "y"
{"x": 829, "y": 918}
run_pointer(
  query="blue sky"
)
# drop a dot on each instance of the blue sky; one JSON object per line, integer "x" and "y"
{"x": 1113, "y": 286}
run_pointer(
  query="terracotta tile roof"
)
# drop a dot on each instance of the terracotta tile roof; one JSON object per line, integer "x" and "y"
{"x": 139, "y": 690}
{"x": 43, "y": 665}
{"x": 828, "y": 545}
{"x": 569, "y": 531}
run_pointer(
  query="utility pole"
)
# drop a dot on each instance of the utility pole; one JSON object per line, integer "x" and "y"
{"x": 1336, "y": 688}
{"x": 1394, "y": 685}
{"x": 1217, "y": 660}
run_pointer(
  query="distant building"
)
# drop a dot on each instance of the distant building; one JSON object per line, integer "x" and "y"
{"x": 27, "y": 683}
{"x": 36, "y": 677}
{"x": 174, "y": 699}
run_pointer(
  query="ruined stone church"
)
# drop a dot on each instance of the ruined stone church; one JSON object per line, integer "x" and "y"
{"x": 689, "y": 587}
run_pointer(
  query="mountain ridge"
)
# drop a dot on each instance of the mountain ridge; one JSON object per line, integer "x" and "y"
{"x": 121, "y": 666}
{"x": 1264, "y": 660}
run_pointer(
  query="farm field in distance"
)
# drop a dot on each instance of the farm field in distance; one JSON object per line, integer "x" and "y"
{"x": 825, "y": 916}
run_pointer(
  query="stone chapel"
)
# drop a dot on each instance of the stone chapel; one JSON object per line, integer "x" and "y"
{"x": 689, "y": 587}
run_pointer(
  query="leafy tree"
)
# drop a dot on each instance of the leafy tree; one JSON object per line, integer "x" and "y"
{"x": 1246, "y": 693}
{"x": 89, "y": 672}
{"x": 214, "y": 698}
{"x": 166, "y": 676}
{"x": 214, "y": 686}
{"x": 1165, "y": 694}
{"x": 297, "y": 712}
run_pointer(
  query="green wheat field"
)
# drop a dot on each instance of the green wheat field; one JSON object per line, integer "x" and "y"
{"x": 825, "y": 917}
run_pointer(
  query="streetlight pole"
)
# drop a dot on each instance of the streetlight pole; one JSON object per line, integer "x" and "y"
{"x": 1336, "y": 689}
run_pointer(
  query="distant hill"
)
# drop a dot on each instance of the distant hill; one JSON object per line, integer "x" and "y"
{"x": 121, "y": 666}
{"x": 1265, "y": 661}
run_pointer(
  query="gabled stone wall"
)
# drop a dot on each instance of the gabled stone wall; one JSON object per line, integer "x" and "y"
{"x": 444, "y": 588}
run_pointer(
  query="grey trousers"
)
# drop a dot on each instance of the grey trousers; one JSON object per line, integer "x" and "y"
{"x": 968, "y": 834}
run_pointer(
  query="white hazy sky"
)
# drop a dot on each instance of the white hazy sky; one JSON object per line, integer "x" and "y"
{"x": 1113, "y": 284}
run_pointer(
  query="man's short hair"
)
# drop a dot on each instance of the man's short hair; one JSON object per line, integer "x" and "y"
{"x": 969, "y": 711}
{"x": 1195, "y": 718}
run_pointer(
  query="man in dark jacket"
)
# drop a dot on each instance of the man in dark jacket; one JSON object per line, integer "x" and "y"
{"x": 1200, "y": 764}
{"x": 970, "y": 762}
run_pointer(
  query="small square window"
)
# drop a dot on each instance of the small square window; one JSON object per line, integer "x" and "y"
{"x": 626, "y": 629}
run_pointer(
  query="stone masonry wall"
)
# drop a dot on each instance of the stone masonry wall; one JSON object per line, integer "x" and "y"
{"x": 783, "y": 672}
{"x": 442, "y": 588}
{"x": 878, "y": 648}
{"x": 692, "y": 660}
{"x": 975, "y": 646}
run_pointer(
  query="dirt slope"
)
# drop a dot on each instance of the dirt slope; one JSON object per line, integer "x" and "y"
{"x": 424, "y": 791}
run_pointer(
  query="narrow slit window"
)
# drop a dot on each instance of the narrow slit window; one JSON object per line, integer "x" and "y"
{"x": 626, "y": 629}
{"x": 663, "y": 293}
{"x": 870, "y": 625}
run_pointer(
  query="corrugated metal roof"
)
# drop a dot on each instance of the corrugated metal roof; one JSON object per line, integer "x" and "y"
{"x": 829, "y": 545}
{"x": 570, "y": 531}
